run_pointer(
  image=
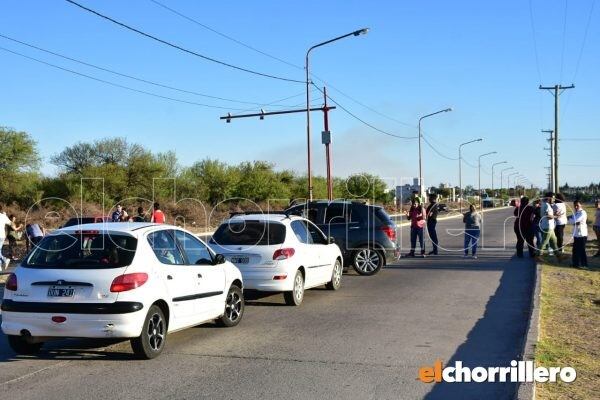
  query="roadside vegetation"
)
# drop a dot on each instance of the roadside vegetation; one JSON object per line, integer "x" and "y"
{"x": 570, "y": 324}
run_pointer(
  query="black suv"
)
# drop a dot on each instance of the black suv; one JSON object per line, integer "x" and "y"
{"x": 365, "y": 234}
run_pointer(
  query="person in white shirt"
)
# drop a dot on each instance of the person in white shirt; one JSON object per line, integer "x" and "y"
{"x": 547, "y": 225}
{"x": 596, "y": 226}
{"x": 4, "y": 221}
{"x": 560, "y": 217}
{"x": 579, "y": 220}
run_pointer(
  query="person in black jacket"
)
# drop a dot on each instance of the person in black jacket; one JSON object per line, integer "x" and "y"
{"x": 432, "y": 214}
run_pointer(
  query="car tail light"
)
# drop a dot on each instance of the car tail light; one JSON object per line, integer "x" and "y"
{"x": 11, "y": 283}
{"x": 59, "y": 319}
{"x": 389, "y": 231}
{"x": 125, "y": 282}
{"x": 283, "y": 254}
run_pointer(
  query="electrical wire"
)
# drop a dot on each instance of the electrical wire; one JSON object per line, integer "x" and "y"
{"x": 115, "y": 84}
{"x": 87, "y": 64}
{"x": 246, "y": 45}
{"x": 194, "y": 53}
{"x": 363, "y": 121}
{"x": 535, "y": 51}
{"x": 579, "y": 139}
{"x": 439, "y": 153}
{"x": 224, "y": 35}
{"x": 587, "y": 27}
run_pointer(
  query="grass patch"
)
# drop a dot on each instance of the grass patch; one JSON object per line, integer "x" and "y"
{"x": 570, "y": 329}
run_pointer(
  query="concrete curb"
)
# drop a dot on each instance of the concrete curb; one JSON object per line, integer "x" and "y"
{"x": 526, "y": 391}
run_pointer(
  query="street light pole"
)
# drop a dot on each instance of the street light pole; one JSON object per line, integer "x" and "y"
{"x": 308, "y": 82}
{"x": 460, "y": 169}
{"x": 508, "y": 181}
{"x": 493, "y": 165}
{"x": 420, "y": 153}
{"x": 502, "y": 178}
{"x": 479, "y": 173}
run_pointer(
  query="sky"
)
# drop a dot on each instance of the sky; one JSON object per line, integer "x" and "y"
{"x": 485, "y": 59}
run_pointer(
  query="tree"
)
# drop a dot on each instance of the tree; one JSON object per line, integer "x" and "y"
{"x": 19, "y": 161}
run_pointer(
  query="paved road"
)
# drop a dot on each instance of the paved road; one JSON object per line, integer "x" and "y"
{"x": 365, "y": 341}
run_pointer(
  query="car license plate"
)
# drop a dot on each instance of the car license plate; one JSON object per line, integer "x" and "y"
{"x": 240, "y": 260}
{"x": 61, "y": 292}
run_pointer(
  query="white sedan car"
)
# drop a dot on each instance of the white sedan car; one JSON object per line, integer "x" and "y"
{"x": 118, "y": 280}
{"x": 279, "y": 253}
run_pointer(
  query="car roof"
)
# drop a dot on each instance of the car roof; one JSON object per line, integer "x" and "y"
{"x": 262, "y": 217}
{"x": 125, "y": 227}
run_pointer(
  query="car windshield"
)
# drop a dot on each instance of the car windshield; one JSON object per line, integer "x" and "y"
{"x": 249, "y": 233}
{"x": 82, "y": 250}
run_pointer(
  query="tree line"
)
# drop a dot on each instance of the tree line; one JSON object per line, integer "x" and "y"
{"x": 130, "y": 170}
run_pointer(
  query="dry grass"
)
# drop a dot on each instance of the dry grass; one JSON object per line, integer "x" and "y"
{"x": 570, "y": 327}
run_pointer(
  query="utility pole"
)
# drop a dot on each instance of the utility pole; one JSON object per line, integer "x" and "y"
{"x": 556, "y": 91}
{"x": 550, "y": 139}
{"x": 326, "y": 140}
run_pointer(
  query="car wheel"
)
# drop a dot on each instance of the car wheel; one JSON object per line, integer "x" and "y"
{"x": 154, "y": 335}
{"x": 234, "y": 308}
{"x": 336, "y": 277}
{"x": 21, "y": 345}
{"x": 367, "y": 261}
{"x": 294, "y": 298}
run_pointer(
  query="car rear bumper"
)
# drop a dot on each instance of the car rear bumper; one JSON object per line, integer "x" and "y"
{"x": 126, "y": 324}
{"x": 263, "y": 280}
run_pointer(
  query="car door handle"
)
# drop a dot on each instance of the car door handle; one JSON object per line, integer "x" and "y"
{"x": 354, "y": 227}
{"x": 199, "y": 275}
{"x": 169, "y": 277}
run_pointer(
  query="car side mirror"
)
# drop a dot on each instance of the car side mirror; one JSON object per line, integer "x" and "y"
{"x": 331, "y": 240}
{"x": 219, "y": 259}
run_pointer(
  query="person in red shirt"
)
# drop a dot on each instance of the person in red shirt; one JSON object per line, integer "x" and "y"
{"x": 417, "y": 222}
{"x": 158, "y": 217}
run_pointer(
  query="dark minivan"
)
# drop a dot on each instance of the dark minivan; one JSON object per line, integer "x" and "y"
{"x": 365, "y": 233}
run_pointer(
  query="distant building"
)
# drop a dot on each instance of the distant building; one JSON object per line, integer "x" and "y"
{"x": 404, "y": 192}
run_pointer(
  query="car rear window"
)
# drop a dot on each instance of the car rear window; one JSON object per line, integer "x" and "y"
{"x": 383, "y": 217}
{"x": 249, "y": 233}
{"x": 79, "y": 221}
{"x": 82, "y": 250}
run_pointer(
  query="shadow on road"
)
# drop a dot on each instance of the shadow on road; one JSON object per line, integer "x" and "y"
{"x": 497, "y": 337}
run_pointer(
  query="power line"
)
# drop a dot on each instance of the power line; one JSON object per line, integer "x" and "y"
{"x": 115, "y": 84}
{"x": 133, "y": 77}
{"x": 194, "y": 53}
{"x": 437, "y": 151}
{"x": 581, "y": 139}
{"x": 180, "y": 14}
{"x": 363, "y": 121}
{"x": 587, "y": 27}
{"x": 583, "y": 165}
{"x": 537, "y": 60}
{"x": 224, "y": 35}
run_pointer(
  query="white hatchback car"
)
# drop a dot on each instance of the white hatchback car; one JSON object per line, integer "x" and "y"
{"x": 279, "y": 253}
{"x": 118, "y": 280}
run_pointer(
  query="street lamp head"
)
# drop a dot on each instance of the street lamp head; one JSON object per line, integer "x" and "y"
{"x": 479, "y": 140}
{"x": 448, "y": 109}
{"x": 362, "y": 31}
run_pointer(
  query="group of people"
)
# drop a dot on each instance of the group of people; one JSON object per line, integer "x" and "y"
{"x": 12, "y": 232}
{"x": 121, "y": 215}
{"x": 421, "y": 217}
{"x": 544, "y": 222}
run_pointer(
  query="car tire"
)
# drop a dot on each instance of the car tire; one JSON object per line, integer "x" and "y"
{"x": 336, "y": 276}
{"x": 296, "y": 295}
{"x": 234, "y": 308}
{"x": 367, "y": 261}
{"x": 21, "y": 346}
{"x": 152, "y": 340}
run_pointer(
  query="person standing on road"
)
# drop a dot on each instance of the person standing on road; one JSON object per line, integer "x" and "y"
{"x": 472, "y": 220}
{"x": 432, "y": 214}
{"x": 537, "y": 231}
{"x": 141, "y": 216}
{"x": 596, "y": 227}
{"x": 547, "y": 225}
{"x": 158, "y": 217}
{"x": 35, "y": 233}
{"x": 116, "y": 216}
{"x": 4, "y": 223}
{"x": 417, "y": 221}
{"x": 14, "y": 234}
{"x": 579, "y": 220}
{"x": 560, "y": 215}
{"x": 523, "y": 228}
